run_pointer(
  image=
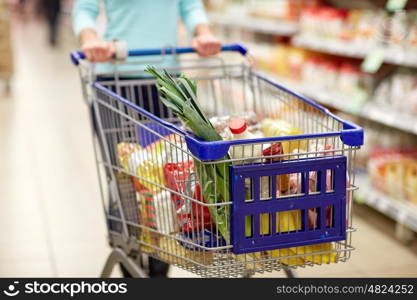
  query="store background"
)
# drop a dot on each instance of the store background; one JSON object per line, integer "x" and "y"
{"x": 50, "y": 212}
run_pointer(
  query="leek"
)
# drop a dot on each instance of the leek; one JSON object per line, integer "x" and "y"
{"x": 180, "y": 95}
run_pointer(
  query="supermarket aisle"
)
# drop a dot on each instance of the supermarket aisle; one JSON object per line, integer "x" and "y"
{"x": 50, "y": 213}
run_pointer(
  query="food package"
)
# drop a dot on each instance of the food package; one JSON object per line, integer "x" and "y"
{"x": 191, "y": 215}
{"x": 173, "y": 253}
{"x": 282, "y": 181}
{"x": 147, "y": 217}
{"x": 276, "y": 127}
{"x": 291, "y": 221}
{"x": 166, "y": 221}
{"x": 221, "y": 124}
{"x": 145, "y": 163}
{"x": 394, "y": 172}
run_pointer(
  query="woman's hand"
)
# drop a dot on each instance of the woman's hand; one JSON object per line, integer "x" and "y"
{"x": 95, "y": 49}
{"x": 204, "y": 42}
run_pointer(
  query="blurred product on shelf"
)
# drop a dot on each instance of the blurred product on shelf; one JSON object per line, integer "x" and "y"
{"x": 398, "y": 91}
{"x": 288, "y": 10}
{"x": 380, "y": 137}
{"x": 336, "y": 75}
{"x": 315, "y": 70}
{"x": 283, "y": 10}
{"x": 394, "y": 172}
{"x": 403, "y": 29}
{"x": 362, "y": 28}
{"x": 6, "y": 59}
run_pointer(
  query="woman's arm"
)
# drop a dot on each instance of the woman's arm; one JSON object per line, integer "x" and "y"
{"x": 84, "y": 16}
{"x": 195, "y": 19}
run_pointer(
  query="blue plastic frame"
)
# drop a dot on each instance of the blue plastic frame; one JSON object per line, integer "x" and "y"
{"x": 303, "y": 236}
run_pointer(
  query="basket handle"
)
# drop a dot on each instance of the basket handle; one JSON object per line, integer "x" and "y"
{"x": 76, "y": 56}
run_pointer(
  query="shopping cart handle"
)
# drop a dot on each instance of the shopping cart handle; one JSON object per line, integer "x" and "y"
{"x": 76, "y": 56}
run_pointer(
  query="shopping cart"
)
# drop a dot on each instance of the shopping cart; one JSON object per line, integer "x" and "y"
{"x": 184, "y": 201}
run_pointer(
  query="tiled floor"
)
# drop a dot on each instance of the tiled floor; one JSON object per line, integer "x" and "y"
{"x": 50, "y": 213}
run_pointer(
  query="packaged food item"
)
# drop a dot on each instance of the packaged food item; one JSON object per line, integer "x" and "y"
{"x": 394, "y": 172}
{"x": 166, "y": 221}
{"x": 276, "y": 127}
{"x": 296, "y": 58}
{"x": 147, "y": 217}
{"x": 191, "y": 215}
{"x": 238, "y": 127}
{"x": 398, "y": 91}
{"x": 146, "y": 163}
{"x": 398, "y": 28}
{"x": 171, "y": 245}
{"x": 291, "y": 221}
{"x": 221, "y": 124}
{"x": 411, "y": 40}
{"x": 156, "y": 211}
{"x": 349, "y": 78}
{"x": 282, "y": 181}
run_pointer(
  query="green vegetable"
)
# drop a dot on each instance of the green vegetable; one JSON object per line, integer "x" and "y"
{"x": 180, "y": 95}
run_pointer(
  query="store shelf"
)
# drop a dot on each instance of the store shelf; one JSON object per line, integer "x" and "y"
{"x": 386, "y": 116}
{"x": 260, "y": 25}
{"x": 401, "y": 211}
{"x": 391, "y": 55}
{"x": 399, "y": 120}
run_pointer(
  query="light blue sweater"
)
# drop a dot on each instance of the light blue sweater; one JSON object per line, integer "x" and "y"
{"x": 141, "y": 23}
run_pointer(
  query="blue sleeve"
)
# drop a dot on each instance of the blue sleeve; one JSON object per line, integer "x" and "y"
{"x": 192, "y": 14}
{"x": 84, "y": 15}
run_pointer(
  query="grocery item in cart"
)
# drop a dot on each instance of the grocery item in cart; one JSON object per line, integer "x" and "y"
{"x": 143, "y": 163}
{"x": 221, "y": 124}
{"x": 191, "y": 215}
{"x": 291, "y": 221}
{"x": 282, "y": 181}
{"x": 174, "y": 253}
{"x": 239, "y": 129}
{"x": 147, "y": 217}
{"x": 276, "y": 127}
{"x": 156, "y": 211}
{"x": 166, "y": 221}
{"x": 313, "y": 186}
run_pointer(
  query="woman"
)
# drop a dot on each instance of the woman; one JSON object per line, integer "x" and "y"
{"x": 142, "y": 24}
